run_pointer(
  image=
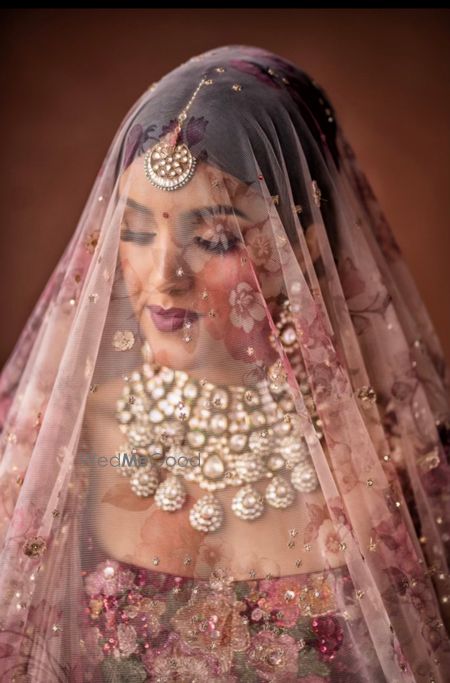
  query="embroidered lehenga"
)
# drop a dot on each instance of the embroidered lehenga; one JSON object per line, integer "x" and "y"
{"x": 226, "y": 424}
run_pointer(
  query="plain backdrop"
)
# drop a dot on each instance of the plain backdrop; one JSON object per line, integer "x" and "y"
{"x": 69, "y": 76}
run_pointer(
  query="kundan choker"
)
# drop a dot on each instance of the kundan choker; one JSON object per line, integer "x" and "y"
{"x": 216, "y": 436}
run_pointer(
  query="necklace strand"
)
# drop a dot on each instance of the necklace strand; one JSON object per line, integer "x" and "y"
{"x": 216, "y": 436}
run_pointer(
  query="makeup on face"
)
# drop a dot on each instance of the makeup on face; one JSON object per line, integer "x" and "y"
{"x": 218, "y": 238}
{"x": 170, "y": 319}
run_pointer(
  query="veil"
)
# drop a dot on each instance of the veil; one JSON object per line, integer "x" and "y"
{"x": 225, "y": 436}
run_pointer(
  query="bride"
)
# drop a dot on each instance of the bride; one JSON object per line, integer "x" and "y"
{"x": 225, "y": 444}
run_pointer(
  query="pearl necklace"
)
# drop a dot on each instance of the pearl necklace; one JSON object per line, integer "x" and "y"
{"x": 216, "y": 436}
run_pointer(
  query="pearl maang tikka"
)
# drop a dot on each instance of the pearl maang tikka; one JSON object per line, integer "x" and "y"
{"x": 168, "y": 165}
{"x": 215, "y": 436}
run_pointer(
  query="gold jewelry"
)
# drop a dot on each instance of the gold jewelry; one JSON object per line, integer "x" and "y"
{"x": 216, "y": 436}
{"x": 286, "y": 333}
{"x": 167, "y": 165}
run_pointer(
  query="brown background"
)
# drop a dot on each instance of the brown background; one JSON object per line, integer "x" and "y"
{"x": 69, "y": 76}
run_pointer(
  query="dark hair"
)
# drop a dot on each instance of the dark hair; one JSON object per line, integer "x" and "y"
{"x": 257, "y": 104}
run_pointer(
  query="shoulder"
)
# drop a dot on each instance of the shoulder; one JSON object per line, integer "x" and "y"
{"x": 100, "y": 427}
{"x": 103, "y": 398}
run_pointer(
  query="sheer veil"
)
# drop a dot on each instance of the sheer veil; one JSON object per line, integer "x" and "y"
{"x": 326, "y": 404}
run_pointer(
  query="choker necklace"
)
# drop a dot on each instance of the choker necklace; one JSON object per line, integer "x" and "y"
{"x": 216, "y": 436}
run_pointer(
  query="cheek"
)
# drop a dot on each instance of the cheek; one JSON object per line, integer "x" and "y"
{"x": 135, "y": 268}
{"x": 223, "y": 274}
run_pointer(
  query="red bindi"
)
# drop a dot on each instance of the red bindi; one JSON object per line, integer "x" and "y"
{"x": 165, "y": 214}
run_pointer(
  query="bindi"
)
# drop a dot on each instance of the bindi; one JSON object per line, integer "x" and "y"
{"x": 165, "y": 214}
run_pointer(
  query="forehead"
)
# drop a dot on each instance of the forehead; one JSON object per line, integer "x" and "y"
{"x": 208, "y": 185}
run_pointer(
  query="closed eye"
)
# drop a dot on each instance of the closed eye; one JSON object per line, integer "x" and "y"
{"x": 141, "y": 238}
{"x": 223, "y": 246}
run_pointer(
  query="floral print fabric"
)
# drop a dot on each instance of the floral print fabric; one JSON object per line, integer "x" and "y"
{"x": 143, "y": 625}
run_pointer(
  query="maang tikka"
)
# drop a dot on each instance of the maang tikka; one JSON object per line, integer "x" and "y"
{"x": 168, "y": 165}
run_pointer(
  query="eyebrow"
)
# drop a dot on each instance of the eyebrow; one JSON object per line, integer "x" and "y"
{"x": 200, "y": 212}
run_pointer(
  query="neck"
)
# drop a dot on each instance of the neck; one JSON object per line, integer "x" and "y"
{"x": 241, "y": 374}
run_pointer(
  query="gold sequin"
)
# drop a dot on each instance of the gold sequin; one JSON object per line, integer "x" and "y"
{"x": 92, "y": 241}
{"x": 430, "y": 460}
{"x": 123, "y": 340}
{"x": 34, "y": 546}
{"x": 209, "y": 81}
{"x": 276, "y": 199}
{"x": 317, "y": 194}
{"x": 219, "y": 69}
{"x": 367, "y": 393}
{"x": 236, "y": 87}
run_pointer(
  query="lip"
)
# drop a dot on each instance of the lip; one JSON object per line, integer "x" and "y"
{"x": 169, "y": 319}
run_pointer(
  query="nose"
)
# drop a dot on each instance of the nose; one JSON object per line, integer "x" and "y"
{"x": 170, "y": 272}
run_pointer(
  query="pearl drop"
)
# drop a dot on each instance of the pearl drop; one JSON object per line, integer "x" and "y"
{"x": 213, "y": 467}
{"x": 196, "y": 439}
{"x": 288, "y": 336}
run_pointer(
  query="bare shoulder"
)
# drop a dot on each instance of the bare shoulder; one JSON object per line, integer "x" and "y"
{"x": 102, "y": 401}
{"x": 102, "y": 434}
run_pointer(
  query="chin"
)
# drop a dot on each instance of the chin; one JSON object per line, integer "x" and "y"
{"x": 173, "y": 354}
{"x": 170, "y": 349}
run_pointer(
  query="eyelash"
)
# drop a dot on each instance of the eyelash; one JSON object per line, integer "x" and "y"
{"x": 145, "y": 238}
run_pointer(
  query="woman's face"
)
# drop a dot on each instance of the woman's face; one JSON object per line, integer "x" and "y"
{"x": 193, "y": 260}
